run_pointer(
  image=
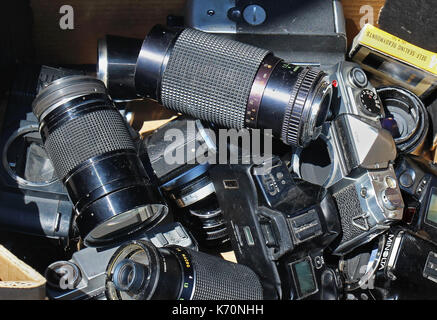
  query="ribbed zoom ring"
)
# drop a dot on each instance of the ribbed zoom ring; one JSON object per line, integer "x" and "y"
{"x": 210, "y": 77}
{"x": 295, "y": 114}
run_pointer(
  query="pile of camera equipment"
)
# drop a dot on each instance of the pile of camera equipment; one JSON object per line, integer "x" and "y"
{"x": 340, "y": 209}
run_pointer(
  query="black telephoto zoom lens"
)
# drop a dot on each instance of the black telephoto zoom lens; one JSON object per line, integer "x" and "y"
{"x": 140, "y": 271}
{"x": 93, "y": 153}
{"x": 232, "y": 84}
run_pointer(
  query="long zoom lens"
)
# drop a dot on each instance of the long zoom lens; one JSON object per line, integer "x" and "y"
{"x": 140, "y": 271}
{"x": 94, "y": 155}
{"x": 232, "y": 84}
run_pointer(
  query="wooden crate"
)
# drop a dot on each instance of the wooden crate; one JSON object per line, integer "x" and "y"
{"x": 18, "y": 281}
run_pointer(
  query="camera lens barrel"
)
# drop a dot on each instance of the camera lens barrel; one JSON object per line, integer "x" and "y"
{"x": 195, "y": 192}
{"x": 117, "y": 57}
{"x": 94, "y": 155}
{"x": 175, "y": 272}
{"x": 232, "y": 84}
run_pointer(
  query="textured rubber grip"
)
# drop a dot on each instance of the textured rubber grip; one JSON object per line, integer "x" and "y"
{"x": 218, "y": 279}
{"x": 349, "y": 207}
{"x": 85, "y": 137}
{"x": 210, "y": 77}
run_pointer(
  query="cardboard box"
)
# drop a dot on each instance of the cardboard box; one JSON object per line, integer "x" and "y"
{"x": 395, "y": 61}
{"x": 18, "y": 281}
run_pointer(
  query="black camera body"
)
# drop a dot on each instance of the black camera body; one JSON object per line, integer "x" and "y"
{"x": 410, "y": 269}
{"x": 401, "y": 266}
{"x": 279, "y": 228}
{"x": 418, "y": 183}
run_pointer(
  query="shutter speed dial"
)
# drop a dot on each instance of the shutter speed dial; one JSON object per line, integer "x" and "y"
{"x": 370, "y": 102}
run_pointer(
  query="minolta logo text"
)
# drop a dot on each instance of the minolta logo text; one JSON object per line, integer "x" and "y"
{"x": 386, "y": 252}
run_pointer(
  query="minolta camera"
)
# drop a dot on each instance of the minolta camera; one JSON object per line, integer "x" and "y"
{"x": 354, "y": 159}
{"x": 399, "y": 265}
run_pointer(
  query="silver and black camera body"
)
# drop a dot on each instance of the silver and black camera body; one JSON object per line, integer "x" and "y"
{"x": 359, "y": 172}
{"x": 83, "y": 276}
{"x": 279, "y": 228}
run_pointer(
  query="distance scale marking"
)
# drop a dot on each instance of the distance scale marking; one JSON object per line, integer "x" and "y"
{"x": 187, "y": 289}
{"x": 256, "y": 93}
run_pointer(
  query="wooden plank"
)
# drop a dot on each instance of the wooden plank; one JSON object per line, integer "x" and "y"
{"x": 18, "y": 280}
{"x": 357, "y": 13}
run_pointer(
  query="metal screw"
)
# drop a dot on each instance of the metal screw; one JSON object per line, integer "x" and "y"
{"x": 210, "y": 12}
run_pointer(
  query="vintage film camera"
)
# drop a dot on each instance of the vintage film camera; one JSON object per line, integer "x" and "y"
{"x": 279, "y": 228}
{"x": 402, "y": 265}
{"x": 319, "y": 25}
{"x": 358, "y": 160}
{"x": 83, "y": 276}
{"x": 402, "y": 259}
{"x": 32, "y": 199}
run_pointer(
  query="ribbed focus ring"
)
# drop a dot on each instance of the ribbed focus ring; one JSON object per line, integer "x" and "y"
{"x": 294, "y": 115}
{"x": 291, "y": 124}
{"x": 210, "y": 77}
{"x": 222, "y": 280}
{"x": 85, "y": 137}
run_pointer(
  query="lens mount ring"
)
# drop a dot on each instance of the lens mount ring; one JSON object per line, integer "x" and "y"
{"x": 306, "y": 105}
{"x": 64, "y": 90}
{"x": 20, "y": 180}
{"x": 402, "y": 103}
{"x": 293, "y": 113}
{"x": 318, "y": 109}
